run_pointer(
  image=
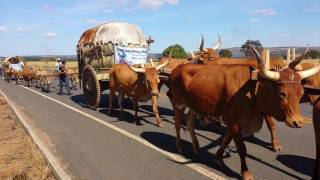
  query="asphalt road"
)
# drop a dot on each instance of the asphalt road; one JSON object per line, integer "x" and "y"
{"x": 89, "y": 149}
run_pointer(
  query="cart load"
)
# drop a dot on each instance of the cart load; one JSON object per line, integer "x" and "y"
{"x": 102, "y": 46}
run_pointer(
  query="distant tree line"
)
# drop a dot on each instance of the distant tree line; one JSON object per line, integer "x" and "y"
{"x": 179, "y": 52}
{"x": 313, "y": 54}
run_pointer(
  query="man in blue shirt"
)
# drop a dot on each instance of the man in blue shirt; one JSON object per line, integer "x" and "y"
{"x": 63, "y": 79}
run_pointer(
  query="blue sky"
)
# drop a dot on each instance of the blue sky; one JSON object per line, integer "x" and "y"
{"x": 39, "y": 27}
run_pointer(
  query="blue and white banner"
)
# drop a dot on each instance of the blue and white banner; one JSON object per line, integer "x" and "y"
{"x": 130, "y": 55}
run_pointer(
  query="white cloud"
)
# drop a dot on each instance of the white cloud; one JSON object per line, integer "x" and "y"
{"x": 93, "y": 6}
{"x": 3, "y": 29}
{"x": 156, "y": 4}
{"x": 108, "y": 11}
{"x": 173, "y": 2}
{"x": 50, "y": 34}
{"x": 266, "y": 12}
{"x": 94, "y": 21}
{"x": 189, "y": 19}
{"x": 253, "y": 20}
{"x": 22, "y": 30}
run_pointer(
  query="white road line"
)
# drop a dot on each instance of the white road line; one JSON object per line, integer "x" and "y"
{"x": 57, "y": 168}
{"x": 175, "y": 157}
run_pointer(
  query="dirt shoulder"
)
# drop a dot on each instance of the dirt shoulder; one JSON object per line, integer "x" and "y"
{"x": 19, "y": 157}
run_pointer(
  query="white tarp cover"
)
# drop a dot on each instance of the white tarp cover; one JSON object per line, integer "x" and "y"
{"x": 17, "y": 67}
{"x": 120, "y": 33}
{"x": 130, "y": 55}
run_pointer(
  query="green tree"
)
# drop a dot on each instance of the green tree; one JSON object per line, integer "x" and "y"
{"x": 248, "y": 52}
{"x": 313, "y": 54}
{"x": 177, "y": 51}
{"x": 225, "y": 53}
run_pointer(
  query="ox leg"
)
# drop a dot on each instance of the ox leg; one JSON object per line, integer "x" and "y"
{"x": 112, "y": 91}
{"x": 242, "y": 151}
{"x": 190, "y": 123}
{"x": 154, "y": 101}
{"x": 136, "y": 109}
{"x": 120, "y": 104}
{"x": 178, "y": 117}
{"x": 111, "y": 94}
{"x": 276, "y": 146}
{"x": 225, "y": 142}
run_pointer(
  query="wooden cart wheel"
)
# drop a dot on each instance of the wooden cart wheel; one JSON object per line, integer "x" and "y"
{"x": 91, "y": 87}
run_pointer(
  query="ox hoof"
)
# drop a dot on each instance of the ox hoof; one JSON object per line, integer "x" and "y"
{"x": 161, "y": 125}
{"x": 139, "y": 123}
{"x": 247, "y": 175}
{"x": 276, "y": 147}
{"x": 219, "y": 162}
{"x": 180, "y": 151}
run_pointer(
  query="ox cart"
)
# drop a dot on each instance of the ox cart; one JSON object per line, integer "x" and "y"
{"x": 101, "y": 47}
{"x": 12, "y": 67}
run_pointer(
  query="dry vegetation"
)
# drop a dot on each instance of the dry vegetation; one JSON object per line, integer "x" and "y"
{"x": 44, "y": 65}
{"x": 19, "y": 157}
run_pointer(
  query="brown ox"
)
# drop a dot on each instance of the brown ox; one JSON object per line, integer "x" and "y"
{"x": 275, "y": 64}
{"x": 228, "y": 91}
{"x": 17, "y": 75}
{"x": 139, "y": 83}
{"x": 27, "y": 75}
{"x": 209, "y": 56}
{"x": 316, "y": 124}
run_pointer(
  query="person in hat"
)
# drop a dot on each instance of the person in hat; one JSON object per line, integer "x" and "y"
{"x": 63, "y": 79}
{"x": 58, "y": 64}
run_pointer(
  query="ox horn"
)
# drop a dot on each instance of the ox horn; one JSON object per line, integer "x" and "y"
{"x": 263, "y": 71}
{"x": 202, "y": 49}
{"x": 218, "y": 43}
{"x": 310, "y": 72}
{"x": 151, "y": 61}
{"x": 137, "y": 70}
{"x": 158, "y": 67}
{"x": 267, "y": 59}
{"x": 192, "y": 55}
{"x": 297, "y": 60}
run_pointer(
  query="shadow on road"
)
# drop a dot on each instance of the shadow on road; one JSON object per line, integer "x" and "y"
{"x": 167, "y": 143}
{"x": 255, "y": 140}
{"x": 162, "y": 110}
{"x": 79, "y": 99}
{"x": 300, "y": 164}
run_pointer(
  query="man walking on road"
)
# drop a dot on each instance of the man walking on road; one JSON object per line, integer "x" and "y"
{"x": 63, "y": 79}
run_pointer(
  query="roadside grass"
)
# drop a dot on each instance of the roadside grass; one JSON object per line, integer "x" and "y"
{"x": 20, "y": 158}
